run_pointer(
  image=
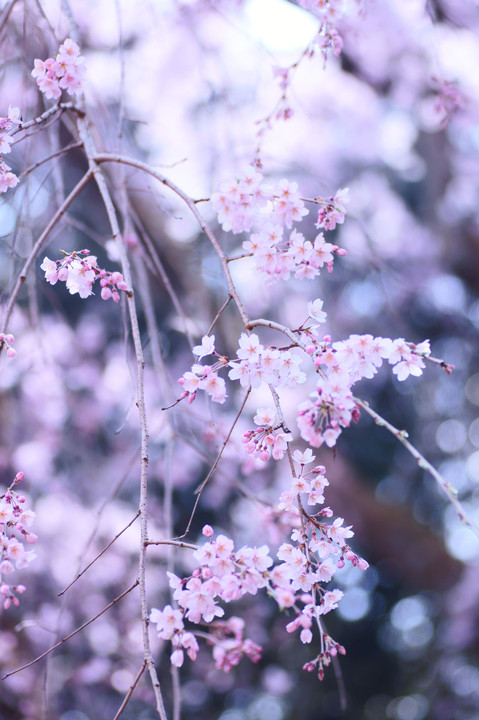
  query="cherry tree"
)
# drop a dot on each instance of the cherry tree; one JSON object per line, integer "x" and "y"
{"x": 199, "y": 199}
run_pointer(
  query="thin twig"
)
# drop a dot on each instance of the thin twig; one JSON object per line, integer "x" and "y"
{"x": 72, "y": 634}
{"x": 98, "y": 556}
{"x": 39, "y": 244}
{"x": 40, "y": 119}
{"x": 424, "y": 464}
{"x": 36, "y": 165}
{"x": 130, "y": 691}
{"x": 176, "y": 543}
{"x": 218, "y": 314}
{"x": 163, "y": 275}
{"x": 200, "y": 489}
{"x": 111, "y": 157}
{"x": 276, "y": 326}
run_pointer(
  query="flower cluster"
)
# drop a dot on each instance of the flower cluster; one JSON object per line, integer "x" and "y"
{"x": 332, "y": 211}
{"x": 340, "y": 365}
{"x": 170, "y": 626}
{"x": 7, "y": 178}
{"x": 222, "y": 574}
{"x": 15, "y": 522}
{"x": 246, "y": 202}
{"x": 79, "y": 270}
{"x": 268, "y": 441}
{"x": 449, "y": 100}
{"x": 65, "y": 72}
{"x": 255, "y": 364}
{"x": 328, "y": 12}
{"x": 225, "y": 574}
{"x": 7, "y": 340}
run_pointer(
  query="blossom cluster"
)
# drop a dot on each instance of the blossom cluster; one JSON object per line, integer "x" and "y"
{"x": 246, "y": 202}
{"x": 7, "y": 178}
{"x": 205, "y": 377}
{"x": 79, "y": 270}
{"x": 253, "y": 365}
{"x": 256, "y": 363}
{"x": 6, "y": 339}
{"x": 340, "y": 365}
{"x": 328, "y": 12}
{"x": 15, "y": 523}
{"x": 65, "y": 72}
{"x": 267, "y": 441}
{"x": 226, "y": 575}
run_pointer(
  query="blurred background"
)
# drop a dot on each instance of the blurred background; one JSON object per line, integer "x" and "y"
{"x": 192, "y": 88}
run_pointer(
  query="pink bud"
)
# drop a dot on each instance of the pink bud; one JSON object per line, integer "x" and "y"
{"x": 11, "y": 352}
{"x": 106, "y": 293}
{"x": 19, "y": 476}
{"x": 207, "y": 531}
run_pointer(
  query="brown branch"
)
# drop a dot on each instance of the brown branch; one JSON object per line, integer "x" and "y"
{"x": 218, "y": 314}
{"x": 201, "y": 487}
{"x": 176, "y": 543}
{"x": 98, "y": 556}
{"x": 130, "y": 691}
{"x": 72, "y": 634}
{"x": 90, "y": 151}
{"x": 36, "y": 165}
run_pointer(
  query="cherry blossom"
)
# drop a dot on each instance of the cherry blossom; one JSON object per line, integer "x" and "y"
{"x": 79, "y": 271}
{"x": 65, "y": 72}
{"x": 15, "y": 522}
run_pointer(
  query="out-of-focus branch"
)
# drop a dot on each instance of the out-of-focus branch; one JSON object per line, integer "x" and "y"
{"x": 39, "y": 244}
{"x": 111, "y": 157}
{"x": 90, "y": 151}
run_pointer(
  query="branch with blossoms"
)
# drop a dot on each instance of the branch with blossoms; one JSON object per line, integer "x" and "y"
{"x": 15, "y": 523}
{"x": 79, "y": 271}
{"x": 297, "y": 574}
{"x": 326, "y": 41}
